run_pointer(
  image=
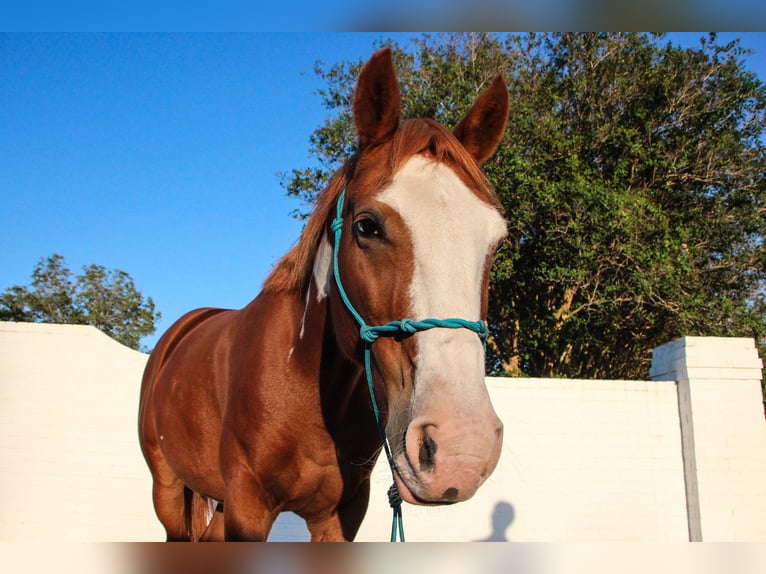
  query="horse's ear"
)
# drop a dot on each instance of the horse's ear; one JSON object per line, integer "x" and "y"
{"x": 377, "y": 101}
{"x": 481, "y": 130}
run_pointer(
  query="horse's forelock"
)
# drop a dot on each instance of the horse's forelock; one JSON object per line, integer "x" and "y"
{"x": 429, "y": 138}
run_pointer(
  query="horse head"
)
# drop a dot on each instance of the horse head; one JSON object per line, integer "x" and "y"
{"x": 420, "y": 227}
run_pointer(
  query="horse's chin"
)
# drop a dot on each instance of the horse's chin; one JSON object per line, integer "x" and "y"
{"x": 408, "y": 495}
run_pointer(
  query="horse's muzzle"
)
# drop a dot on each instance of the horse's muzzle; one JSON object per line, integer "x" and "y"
{"x": 444, "y": 464}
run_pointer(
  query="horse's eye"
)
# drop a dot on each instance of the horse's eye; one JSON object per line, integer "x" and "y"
{"x": 366, "y": 227}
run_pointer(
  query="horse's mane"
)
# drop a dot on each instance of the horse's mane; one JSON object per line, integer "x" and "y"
{"x": 293, "y": 271}
{"x": 419, "y": 136}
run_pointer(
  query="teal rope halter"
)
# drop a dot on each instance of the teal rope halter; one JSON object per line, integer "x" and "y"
{"x": 369, "y": 335}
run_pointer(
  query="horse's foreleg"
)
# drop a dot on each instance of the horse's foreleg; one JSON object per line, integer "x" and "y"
{"x": 327, "y": 530}
{"x": 169, "y": 504}
{"x": 352, "y": 512}
{"x": 245, "y": 515}
{"x": 344, "y": 523}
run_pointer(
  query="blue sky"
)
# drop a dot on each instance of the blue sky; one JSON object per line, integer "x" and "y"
{"x": 158, "y": 154}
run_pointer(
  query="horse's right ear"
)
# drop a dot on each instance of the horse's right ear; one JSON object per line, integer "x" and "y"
{"x": 377, "y": 101}
{"x": 481, "y": 130}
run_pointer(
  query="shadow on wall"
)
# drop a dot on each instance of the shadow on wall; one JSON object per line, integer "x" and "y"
{"x": 502, "y": 517}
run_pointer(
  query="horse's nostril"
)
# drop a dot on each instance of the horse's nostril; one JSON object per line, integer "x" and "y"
{"x": 427, "y": 453}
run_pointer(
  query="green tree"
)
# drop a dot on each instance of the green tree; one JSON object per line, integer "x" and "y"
{"x": 107, "y": 299}
{"x": 632, "y": 174}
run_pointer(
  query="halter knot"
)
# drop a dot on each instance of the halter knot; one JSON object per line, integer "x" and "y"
{"x": 408, "y": 326}
{"x": 368, "y": 334}
{"x": 337, "y": 224}
{"x": 394, "y": 498}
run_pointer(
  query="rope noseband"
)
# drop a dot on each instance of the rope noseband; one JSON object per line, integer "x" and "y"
{"x": 369, "y": 335}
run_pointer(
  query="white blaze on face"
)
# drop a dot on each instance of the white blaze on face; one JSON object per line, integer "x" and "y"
{"x": 452, "y": 233}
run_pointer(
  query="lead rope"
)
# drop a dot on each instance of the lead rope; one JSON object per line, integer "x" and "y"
{"x": 369, "y": 335}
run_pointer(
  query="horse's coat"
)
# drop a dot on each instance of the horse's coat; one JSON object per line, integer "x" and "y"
{"x": 266, "y": 409}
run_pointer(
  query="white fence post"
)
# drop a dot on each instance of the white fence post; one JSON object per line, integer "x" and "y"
{"x": 723, "y": 433}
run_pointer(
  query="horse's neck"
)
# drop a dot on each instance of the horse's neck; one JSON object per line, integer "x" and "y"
{"x": 318, "y": 356}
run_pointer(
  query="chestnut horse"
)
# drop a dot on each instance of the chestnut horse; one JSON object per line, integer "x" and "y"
{"x": 248, "y": 413}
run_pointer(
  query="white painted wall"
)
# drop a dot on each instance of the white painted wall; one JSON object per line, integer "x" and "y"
{"x": 70, "y": 464}
{"x": 719, "y": 382}
{"x": 604, "y": 460}
{"x": 582, "y": 460}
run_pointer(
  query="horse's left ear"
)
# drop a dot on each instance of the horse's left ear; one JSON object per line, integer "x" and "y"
{"x": 481, "y": 130}
{"x": 377, "y": 100}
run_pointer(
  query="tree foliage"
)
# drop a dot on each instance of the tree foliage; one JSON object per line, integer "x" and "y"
{"x": 107, "y": 299}
{"x": 632, "y": 175}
